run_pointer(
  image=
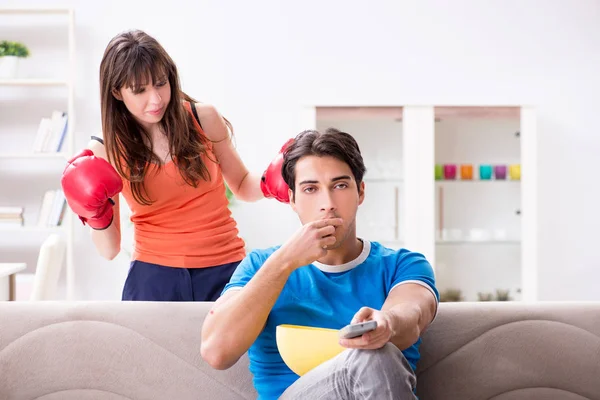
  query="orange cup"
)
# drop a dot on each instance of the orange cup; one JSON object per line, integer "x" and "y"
{"x": 466, "y": 171}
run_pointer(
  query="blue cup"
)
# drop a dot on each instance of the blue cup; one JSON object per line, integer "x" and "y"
{"x": 485, "y": 172}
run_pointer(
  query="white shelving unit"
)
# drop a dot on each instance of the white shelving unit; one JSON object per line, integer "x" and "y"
{"x": 34, "y": 155}
{"x": 33, "y": 82}
{"x": 380, "y": 214}
{"x": 480, "y": 235}
{"x": 478, "y": 222}
{"x": 41, "y": 165}
{"x": 398, "y": 143}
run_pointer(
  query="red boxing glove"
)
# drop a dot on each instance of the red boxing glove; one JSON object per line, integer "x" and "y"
{"x": 272, "y": 183}
{"x": 88, "y": 183}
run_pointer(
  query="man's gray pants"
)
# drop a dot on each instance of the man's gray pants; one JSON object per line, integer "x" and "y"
{"x": 358, "y": 374}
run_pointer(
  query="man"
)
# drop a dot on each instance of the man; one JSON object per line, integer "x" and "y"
{"x": 325, "y": 276}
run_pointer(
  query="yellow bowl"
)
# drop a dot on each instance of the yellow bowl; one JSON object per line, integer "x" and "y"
{"x": 303, "y": 347}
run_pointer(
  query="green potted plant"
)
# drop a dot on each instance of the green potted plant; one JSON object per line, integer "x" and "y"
{"x": 503, "y": 295}
{"x": 485, "y": 296}
{"x": 10, "y": 53}
{"x": 451, "y": 295}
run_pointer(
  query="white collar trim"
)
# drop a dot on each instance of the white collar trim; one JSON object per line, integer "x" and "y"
{"x": 366, "y": 250}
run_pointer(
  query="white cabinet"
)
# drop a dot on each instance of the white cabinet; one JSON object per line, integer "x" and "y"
{"x": 483, "y": 236}
{"x": 478, "y": 201}
{"x": 378, "y": 132}
{"x": 44, "y": 84}
{"x": 480, "y": 234}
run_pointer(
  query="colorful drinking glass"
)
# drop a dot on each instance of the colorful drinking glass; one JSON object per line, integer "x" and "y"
{"x": 450, "y": 171}
{"x": 500, "y": 172}
{"x": 466, "y": 172}
{"x": 439, "y": 172}
{"x": 485, "y": 172}
{"x": 514, "y": 171}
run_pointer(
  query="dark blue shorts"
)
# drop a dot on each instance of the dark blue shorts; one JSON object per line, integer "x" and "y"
{"x": 152, "y": 282}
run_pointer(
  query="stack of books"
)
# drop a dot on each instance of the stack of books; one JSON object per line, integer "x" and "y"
{"x": 11, "y": 216}
{"x": 52, "y": 212}
{"x": 53, "y": 209}
{"x": 51, "y": 133}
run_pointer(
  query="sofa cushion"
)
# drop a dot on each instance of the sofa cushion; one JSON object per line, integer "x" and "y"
{"x": 112, "y": 351}
{"x": 512, "y": 350}
{"x": 138, "y": 350}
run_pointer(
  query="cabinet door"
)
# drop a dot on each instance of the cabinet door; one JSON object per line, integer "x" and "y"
{"x": 379, "y": 217}
{"x": 378, "y": 132}
{"x": 478, "y": 201}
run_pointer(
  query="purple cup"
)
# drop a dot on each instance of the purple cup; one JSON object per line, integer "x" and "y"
{"x": 500, "y": 172}
{"x": 449, "y": 171}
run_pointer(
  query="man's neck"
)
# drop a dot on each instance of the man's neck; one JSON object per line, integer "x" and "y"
{"x": 349, "y": 250}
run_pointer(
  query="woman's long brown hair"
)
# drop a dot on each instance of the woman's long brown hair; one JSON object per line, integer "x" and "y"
{"x": 131, "y": 59}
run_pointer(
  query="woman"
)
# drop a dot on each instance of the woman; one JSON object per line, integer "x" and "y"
{"x": 169, "y": 157}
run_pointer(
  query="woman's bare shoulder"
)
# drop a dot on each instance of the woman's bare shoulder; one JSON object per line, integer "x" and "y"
{"x": 207, "y": 111}
{"x": 96, "y": 145}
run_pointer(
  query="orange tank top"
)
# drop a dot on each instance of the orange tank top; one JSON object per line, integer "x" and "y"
{"x": 184, "y": 226}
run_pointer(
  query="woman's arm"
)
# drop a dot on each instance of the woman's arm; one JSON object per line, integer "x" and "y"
{"x": 244, "y": 184}
{"x": 107, "y": 241}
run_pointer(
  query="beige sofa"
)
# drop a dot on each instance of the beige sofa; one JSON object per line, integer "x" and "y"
{"x": 125, "y": 350}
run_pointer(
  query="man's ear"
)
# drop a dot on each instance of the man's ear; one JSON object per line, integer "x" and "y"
{"x": 361, "y": 193}
{"x": 292, "y": 199}
{"x": 117, "y": 95}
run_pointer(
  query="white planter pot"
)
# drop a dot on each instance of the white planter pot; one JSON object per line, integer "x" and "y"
{"x": 8, "y": 67}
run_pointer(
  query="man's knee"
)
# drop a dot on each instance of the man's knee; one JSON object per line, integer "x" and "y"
{"x": 385, "y": 352}
{"x": 385, "y": 371}
{"x": 385, "y": 359}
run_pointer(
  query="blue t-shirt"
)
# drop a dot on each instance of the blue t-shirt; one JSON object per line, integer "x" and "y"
{"x": 328, "y": 297}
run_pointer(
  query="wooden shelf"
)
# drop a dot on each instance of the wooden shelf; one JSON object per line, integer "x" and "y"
{"x": 44, "y": 156}
{"x": 479, "y": 112}
{"x": 33, "y": 82}
{"x": 472, "y": 181}
{"x": 477, "y": 242}
{"x": 31, "y": 229}
{"x": 45, "y": 10}
{"x": 383, "y": 180}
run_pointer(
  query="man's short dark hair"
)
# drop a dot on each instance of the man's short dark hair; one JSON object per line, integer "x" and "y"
{"x": 332, "y": 143}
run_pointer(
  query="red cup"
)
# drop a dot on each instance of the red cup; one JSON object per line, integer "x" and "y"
{"x": 449, "y": 171}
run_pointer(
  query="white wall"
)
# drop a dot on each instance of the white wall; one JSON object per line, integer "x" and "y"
{"x": 260, "y": 62}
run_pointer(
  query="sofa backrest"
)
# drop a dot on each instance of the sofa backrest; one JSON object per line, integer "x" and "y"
{"x": 512, "y": 350}
{"x": 112, "y": 351}
{"x": 138, "y": 350}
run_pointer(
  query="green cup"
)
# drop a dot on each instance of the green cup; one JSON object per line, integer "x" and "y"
{"x": 439, "y": 172}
